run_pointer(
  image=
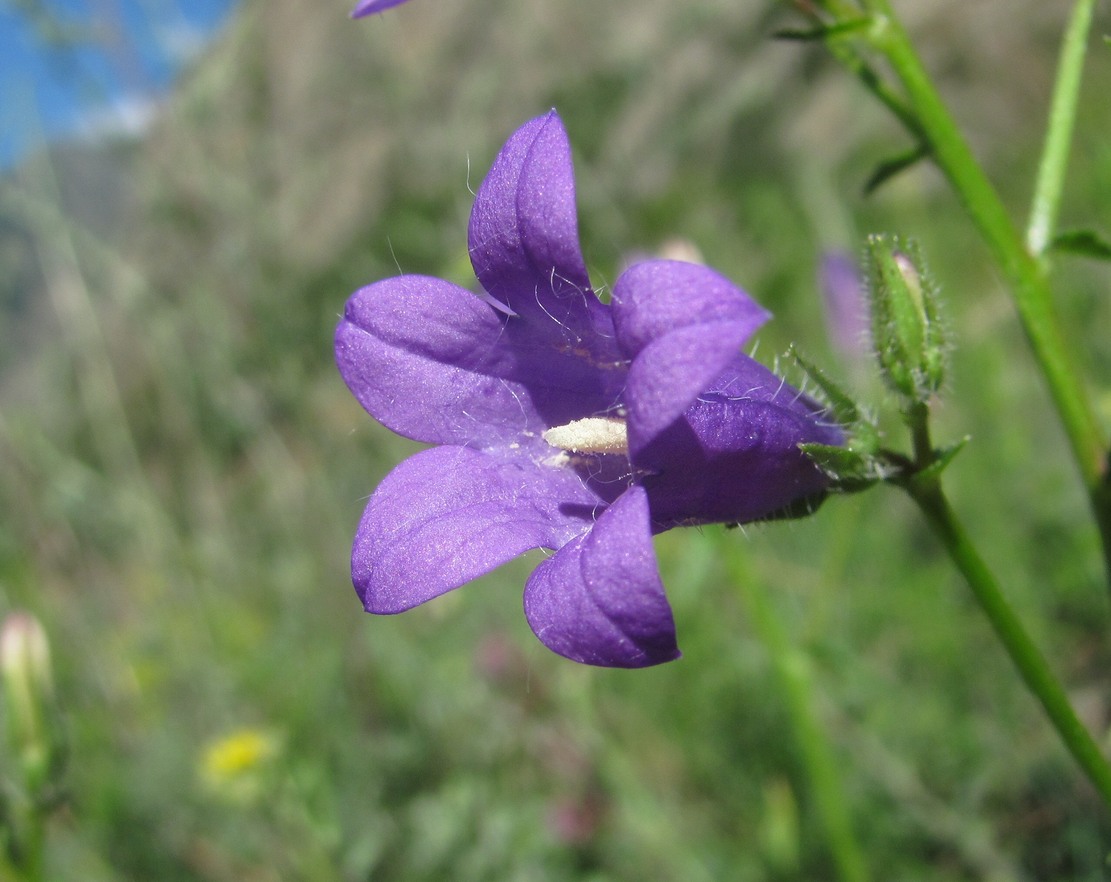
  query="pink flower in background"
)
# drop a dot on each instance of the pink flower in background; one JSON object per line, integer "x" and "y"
{"x": 845, "y": 304}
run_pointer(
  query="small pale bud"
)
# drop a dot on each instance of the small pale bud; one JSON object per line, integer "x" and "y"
{"x": 906, "y": 327}
{"x": 29, "y": 697}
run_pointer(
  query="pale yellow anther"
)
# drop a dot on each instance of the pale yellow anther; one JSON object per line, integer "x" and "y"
{"x": 591, "y": 435}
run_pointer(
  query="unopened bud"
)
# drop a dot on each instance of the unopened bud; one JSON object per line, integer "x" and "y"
{"x": 906, "y": 325}
{"x": 30, "y": 718}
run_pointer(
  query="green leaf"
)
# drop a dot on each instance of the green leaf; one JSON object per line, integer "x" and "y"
{"x": 1086, "y": 243}
{"x": 824, "y": 32}
{"x": 942, "y": 457}
{"x": 889, "y": 168}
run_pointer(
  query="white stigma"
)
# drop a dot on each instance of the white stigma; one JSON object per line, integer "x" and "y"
{"x": 591, "y": 435}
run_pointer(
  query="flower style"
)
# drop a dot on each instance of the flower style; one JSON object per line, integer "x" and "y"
{"x": 564, "y": 423}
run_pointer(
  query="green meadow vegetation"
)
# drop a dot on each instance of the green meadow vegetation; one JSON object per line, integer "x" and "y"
{"x": 182, "y": 469}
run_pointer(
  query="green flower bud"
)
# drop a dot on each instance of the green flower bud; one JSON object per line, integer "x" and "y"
{"x": 34, "y": 736}
{"x": 906, "y": 327}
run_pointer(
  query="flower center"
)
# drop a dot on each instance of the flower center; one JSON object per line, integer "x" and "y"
{"x": 591, "y": 435}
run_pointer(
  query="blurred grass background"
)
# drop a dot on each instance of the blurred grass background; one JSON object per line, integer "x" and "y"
{"x": 182, "y": 469}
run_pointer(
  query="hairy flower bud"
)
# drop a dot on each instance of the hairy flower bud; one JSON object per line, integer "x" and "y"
{"x": 906, "y": 328}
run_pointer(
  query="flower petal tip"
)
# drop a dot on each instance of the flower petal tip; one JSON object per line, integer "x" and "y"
{"x": 599, "y": 599}
{"x": 369, "y": 7}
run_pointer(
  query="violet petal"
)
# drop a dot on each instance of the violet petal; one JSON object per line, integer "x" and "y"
{"x": 668, "y": 375}
{"x": 369, "y": 7}
{"x": 438, "y": 364}
{"x": 450, "y": 514}
{"x": 599, "y": 599}
{"x": 656, "y": 297}
{"x": 524, "y": 238}
{"x": 734, "y": 455}
{"x": 681, "y": 324}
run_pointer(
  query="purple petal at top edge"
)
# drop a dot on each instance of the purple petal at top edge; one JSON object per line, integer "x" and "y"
{"x": 448, "y": 515}
{"x": 524, "y": 237}
{"x": 599, "y": 599}
{"x": 369, "y": 7}
{"x": 656, "y": 297}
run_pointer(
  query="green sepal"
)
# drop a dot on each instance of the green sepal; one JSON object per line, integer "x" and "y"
{"x": 854, "y": 465}
{"x": 892, "y": 166}
{"x": 850, "y": 470}
{"x": 1086, "y": 243}
{"x": 859, "y": 425}
{"x": 843, "y": 408}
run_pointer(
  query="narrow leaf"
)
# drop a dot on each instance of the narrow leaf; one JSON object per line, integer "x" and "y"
{"x": 887, "y": 169}
{"x": 1086, "y": 243}
{"x": 943, "y": 457}
{"x": 823, "y": 32}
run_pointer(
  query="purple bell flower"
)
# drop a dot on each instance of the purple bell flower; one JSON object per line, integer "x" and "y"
{"x": 564, "y": 423}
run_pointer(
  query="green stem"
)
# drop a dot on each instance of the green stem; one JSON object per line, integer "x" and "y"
{"x": 1024, "y": 273}
{"x": 1062, "y": 120}
{"x": 793, "y": 669}
{"x": 26, "y": 842}
{"x": 1023, "y": 652}
{"x": 861, "y": 69}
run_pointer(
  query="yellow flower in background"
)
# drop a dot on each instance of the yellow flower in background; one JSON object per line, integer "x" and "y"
{"x": 235, "y": 765}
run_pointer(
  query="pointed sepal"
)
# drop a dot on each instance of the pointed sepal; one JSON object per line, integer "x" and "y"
{"x": 854, "y": 465}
